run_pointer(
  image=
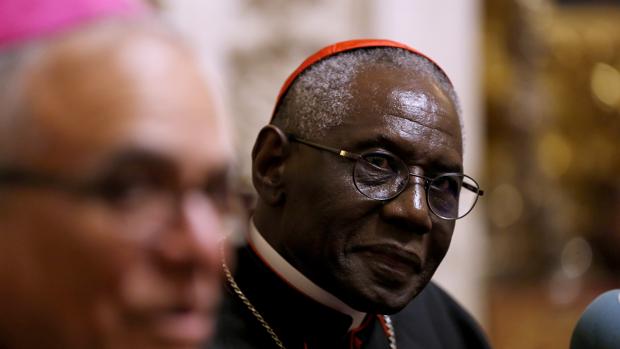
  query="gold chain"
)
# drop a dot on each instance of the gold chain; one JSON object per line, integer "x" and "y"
{"x": 249, "y": 305}
{"x": 270, "y": 331}
{"x": 391, "y": 332}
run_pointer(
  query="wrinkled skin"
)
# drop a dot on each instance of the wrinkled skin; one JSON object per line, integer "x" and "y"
{"x": 375, "y": 256}
{"x": 81, "y": 271}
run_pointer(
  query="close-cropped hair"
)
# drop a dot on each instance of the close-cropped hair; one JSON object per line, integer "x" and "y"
{"x": 320, "y": 97}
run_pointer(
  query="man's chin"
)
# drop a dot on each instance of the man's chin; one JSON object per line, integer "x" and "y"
{"x": 389, "y": 306}
{"x": 183, "y": 330}
{"x": 170, "y": 330}
{"x": 380, "y": 299}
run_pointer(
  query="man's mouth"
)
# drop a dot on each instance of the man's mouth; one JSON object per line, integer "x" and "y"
{"x": 392, "y": 262}
{"x": 182, "y": 326}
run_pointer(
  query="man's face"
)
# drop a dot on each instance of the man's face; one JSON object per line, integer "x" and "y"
{"x": 133, "y": 261}
{"x": 374, "y": 255}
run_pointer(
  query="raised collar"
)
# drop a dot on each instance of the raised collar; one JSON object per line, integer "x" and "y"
{"x": 297, "y": 280}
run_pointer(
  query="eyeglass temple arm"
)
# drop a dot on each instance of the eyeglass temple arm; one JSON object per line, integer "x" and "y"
{"x": 473, "y": 188}
{"x": 16, "y": 177}
{"x": 340, "y": 152}
{"x": 10, "y": 176}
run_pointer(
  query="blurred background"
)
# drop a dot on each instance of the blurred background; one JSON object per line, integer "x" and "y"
{"x": 539, "y": 83}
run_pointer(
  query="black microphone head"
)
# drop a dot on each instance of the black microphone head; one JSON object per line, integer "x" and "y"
{"x": 599, "y": 325}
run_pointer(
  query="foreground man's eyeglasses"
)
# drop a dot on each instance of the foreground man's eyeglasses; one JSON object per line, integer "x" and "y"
{"x": 381, "y": 175}
{"x": 146, "y": 200}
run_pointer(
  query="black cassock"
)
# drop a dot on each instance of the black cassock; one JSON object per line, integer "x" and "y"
{"x": 432, "y": 320}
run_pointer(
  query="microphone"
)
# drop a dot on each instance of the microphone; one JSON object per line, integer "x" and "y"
{"x": 599, "y": 325}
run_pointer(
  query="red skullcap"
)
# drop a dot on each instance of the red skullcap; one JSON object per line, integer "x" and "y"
{"x": 340, "y": 47}
{"x": 23, "y": 20}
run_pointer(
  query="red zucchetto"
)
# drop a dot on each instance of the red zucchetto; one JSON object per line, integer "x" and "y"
{"x": 340, "y": 47}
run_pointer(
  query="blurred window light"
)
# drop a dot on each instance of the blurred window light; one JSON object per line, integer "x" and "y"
{"x": 605, "y": 84}
{"x": 576, "y": 257}
{"x": 554, "y": 155}
{"x": 505, "y": 205}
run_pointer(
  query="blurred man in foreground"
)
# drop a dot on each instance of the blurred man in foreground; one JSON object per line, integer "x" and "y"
{"x": 113, "y": 181}
{"x": 360, "y": 181}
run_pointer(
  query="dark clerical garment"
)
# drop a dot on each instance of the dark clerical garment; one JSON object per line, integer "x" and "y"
{"x": 432, "y": 320}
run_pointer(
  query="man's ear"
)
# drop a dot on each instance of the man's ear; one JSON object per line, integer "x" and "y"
{"x": 268, "y": 161}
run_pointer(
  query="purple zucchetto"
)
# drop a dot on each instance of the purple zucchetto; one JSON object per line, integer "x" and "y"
{"x": 24, "y": 20}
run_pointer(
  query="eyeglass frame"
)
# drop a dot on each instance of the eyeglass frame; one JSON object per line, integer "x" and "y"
{"x": 427, "y": 180}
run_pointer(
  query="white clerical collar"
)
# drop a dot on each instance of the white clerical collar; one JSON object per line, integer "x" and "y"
{"x": 296, "y": 279}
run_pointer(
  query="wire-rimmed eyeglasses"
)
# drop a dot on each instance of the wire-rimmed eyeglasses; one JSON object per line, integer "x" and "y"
{"x": 381, "y": 175}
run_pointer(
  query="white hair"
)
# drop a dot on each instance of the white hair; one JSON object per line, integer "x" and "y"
{"x": 321, "y": 96}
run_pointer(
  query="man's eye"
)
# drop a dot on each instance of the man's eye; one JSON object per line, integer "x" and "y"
{"x": 378, "y": 161}
{"x": 129, "y": 188}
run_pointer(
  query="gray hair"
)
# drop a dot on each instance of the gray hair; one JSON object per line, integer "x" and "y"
{"x": 320, "y": 97}
{"x": 14, "y": 66}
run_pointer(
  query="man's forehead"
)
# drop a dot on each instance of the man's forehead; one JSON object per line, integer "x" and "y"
{"x": 106, "y": 72}
{"x": 408, "y": 84}
{"x": 110, "y": 46}
{"x": 408, "y": 112}
{"x": 416, "y": 102}
{"x": 427, "y": 129}
{"x": 399, "y": 93}
{"x": 141, "y": 92}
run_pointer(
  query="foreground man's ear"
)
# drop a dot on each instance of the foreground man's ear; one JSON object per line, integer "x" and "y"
{"x": 268, "y": 160}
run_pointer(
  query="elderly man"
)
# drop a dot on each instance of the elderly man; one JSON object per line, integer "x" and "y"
{"x": 360, "y": 180}
{"x": 113, "y": 181}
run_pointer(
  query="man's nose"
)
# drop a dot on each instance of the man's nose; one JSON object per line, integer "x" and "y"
{"x": 410, "y": 209}
{"x": 195, "y": 236}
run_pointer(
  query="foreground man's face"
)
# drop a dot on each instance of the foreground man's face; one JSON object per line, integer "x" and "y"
{"x": 135, "y": 264}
